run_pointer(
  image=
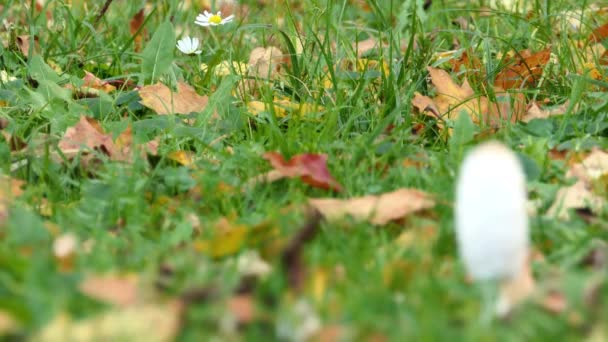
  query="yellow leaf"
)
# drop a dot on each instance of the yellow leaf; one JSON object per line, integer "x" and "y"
{"x": 185, "y": 158}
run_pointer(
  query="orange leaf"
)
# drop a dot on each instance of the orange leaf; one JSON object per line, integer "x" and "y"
{"x": 378, "y": 209}
{"x": 134, "y": 26}
{"x": 116, "y": 290}
{"x": 524, "y": 70}
{"x": 598, "y": 34}
{"x": 310, "y": 167}
{"x": 163, "y": 100}
{"x": 88, "y": 134}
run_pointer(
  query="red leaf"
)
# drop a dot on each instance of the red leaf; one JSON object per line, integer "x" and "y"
{"x": 310, "y": 167}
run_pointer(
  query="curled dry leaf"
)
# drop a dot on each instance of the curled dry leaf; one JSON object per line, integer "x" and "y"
{"x": 92, "y": 86}
{"x": 163, "y": 100}
{"x": 580, "y": 194}
{"x": 451, "y": 99}
{"x": 311, "y": 168}
{"x": 112, "y": 289}
{"x": 534, "y": 111}
{"x": 88, "y": 134}
{"x": 524, "y": 69}
{"x": 266, "y": 62}
{"x": 378, "y": 209}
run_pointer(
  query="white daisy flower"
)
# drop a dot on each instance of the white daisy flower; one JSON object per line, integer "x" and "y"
{"x": 188, "y": 45}
{"x": 210, "y": 19}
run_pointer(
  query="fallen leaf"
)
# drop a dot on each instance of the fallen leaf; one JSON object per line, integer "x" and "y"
{"x": 163, "y": 100}
{"x": 7, "y": 323}
{"x": 599, "y": 34}
{"x": 185, "y": 158}
{"x": 283, "y": 106}
{"x": 266, "y": 62}
{"x": 134, "y": 26}
{"x": 554, "y": 302}
{"x": 451, "y": 99}
{"x": 23, "y": 43}
{"x": 113, "y": 289}
{"x": 377, "y": 209}
{"x": 227, "y": 238}
{"x": 146, "y": 322}
{"x": 242, "y": 307}
{"x": 369, "y": 44}
{"x": 522, "y": 70}
{"x": 91, "y": 86}
{"x": 88, "y": 135}
{"x": 580, "y": 195}
{"x": 309, "y": 167}
{"x": 534, "y": 111}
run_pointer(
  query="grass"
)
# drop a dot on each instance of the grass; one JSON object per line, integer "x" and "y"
{"x": 150, "y": 217}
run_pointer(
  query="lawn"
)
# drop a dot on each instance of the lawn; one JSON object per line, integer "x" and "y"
{"x": 291, "y": 174}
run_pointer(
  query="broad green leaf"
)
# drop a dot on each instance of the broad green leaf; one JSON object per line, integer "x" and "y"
{"x": 158, "y": 54}
{"x": 40, "y": 71}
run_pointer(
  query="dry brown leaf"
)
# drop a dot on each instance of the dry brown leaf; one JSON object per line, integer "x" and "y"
{"x": 91, "y": 86}
{"x": 88, "y": 135}
{"x": 599, "y": 34}
{"x": 378, "y": 209}
{"x": 451, "y": 99}
{"x": 134, "y": 26}
{"x": 364, "y": 46}
{"x": 534, "y": 111}
{"x": 554, "y": 302}
{"x": 266, "y": 62}
{"x": 146, "y": 322}
{"x": 116, "y": 290}
{"x": 524, "y": 70}
{"x": 23, "y": 43}
{"x": 163, "y": 100}
{"x": 242, "y": 307}
{"x": 580, "y": 194}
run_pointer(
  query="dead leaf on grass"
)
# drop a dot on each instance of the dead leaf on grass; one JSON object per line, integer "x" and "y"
{"x": 134, "y": 26}
{"x": 163, "y": 100}
{"x": 524, "y": 69}
{"x": 580, "y": 195}
{"x": 452, "y": 98}
{"x": 534, "y": 111}
{"x": 87, "y": 135}
{"x": 119, "y": 290}
{"x": 266, "y": 62}
{"x": 311, "y": 168}
{"x": 377, "y": 209}
{"x": 146, "y": 322}
{"x": 91, "y": 87}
